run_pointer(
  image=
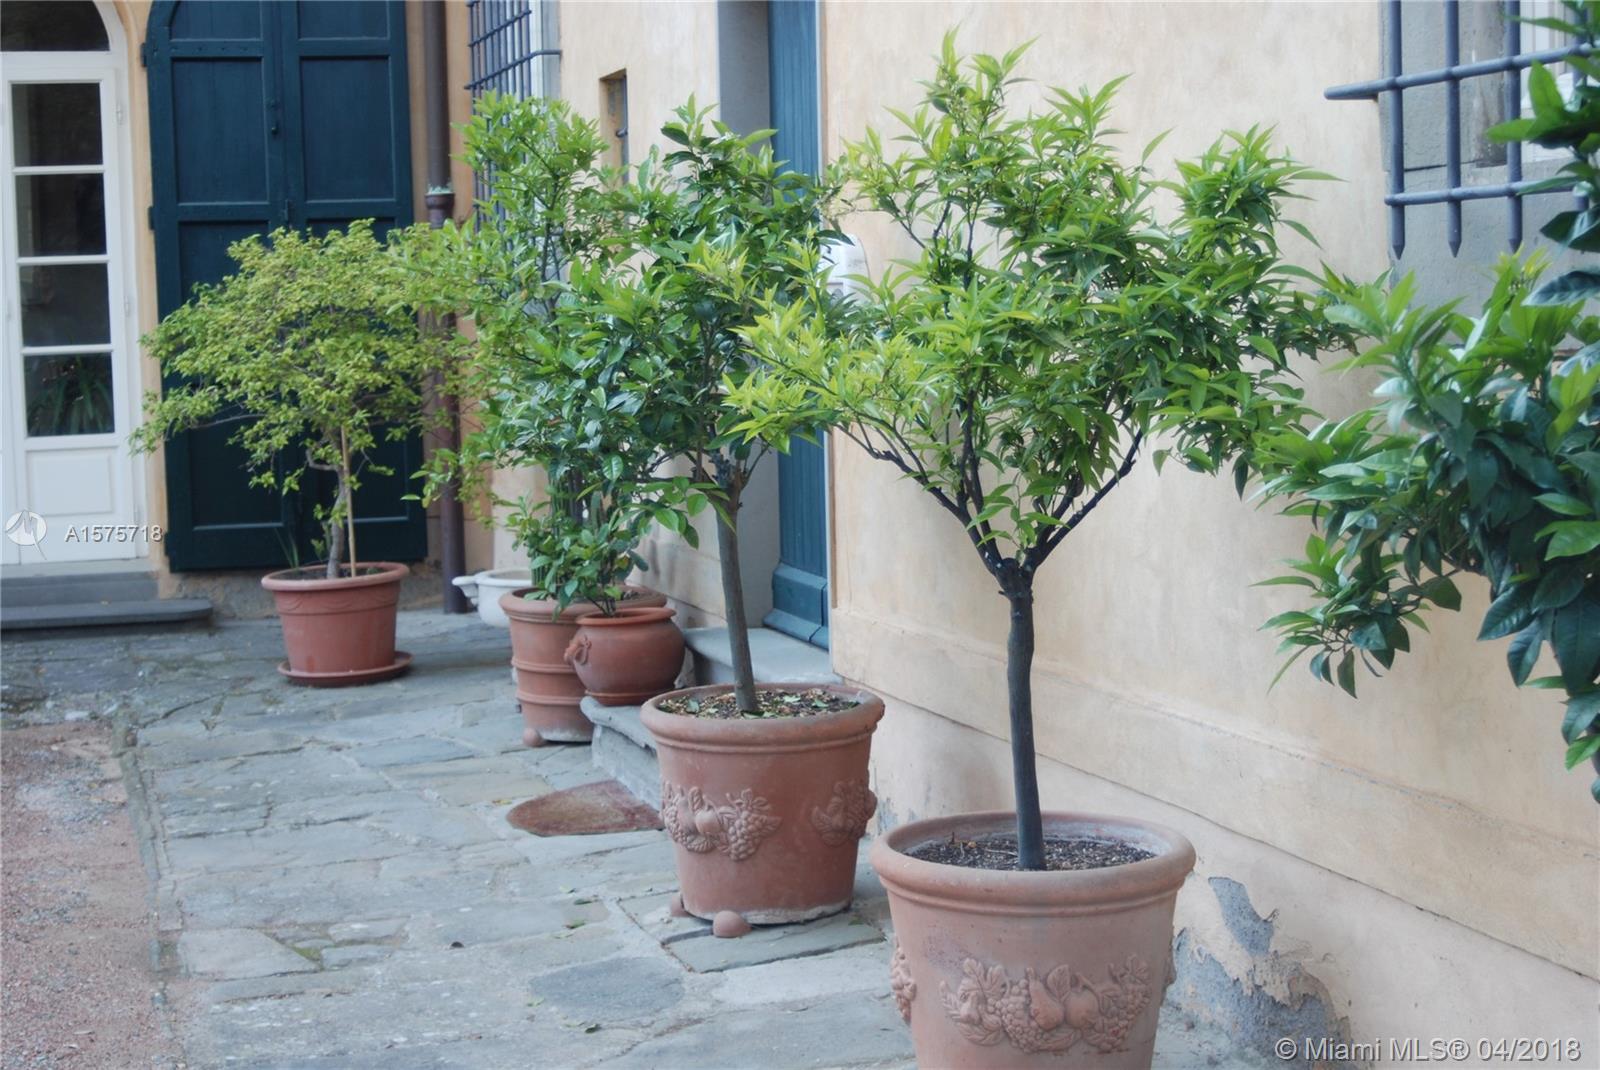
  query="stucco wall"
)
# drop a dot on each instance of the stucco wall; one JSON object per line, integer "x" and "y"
{"x": 1427, "y": 828}
{"x": 134, "y": 16}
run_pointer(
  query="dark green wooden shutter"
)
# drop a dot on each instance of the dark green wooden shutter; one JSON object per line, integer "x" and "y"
{"x": 264, "y": 114}
{"x": 800, "y": 582}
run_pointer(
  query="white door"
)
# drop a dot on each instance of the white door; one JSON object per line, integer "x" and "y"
{"x": 69, "y": 394}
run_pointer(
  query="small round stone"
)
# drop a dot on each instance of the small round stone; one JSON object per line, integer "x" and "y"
{"x": 532, "y": 738}
{"x": 675, "y": 906}
{"x": 728, "y": 924}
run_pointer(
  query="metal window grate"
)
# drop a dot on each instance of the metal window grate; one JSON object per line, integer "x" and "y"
{"x": 511, "y": 42}
{"x": 507, "y": 41}
{"x": 1511, "y": 63}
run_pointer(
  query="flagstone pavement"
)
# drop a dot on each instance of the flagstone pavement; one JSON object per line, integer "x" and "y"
{"x": 335, "y": 884}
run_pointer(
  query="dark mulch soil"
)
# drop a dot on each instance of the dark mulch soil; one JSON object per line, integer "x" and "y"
{"x": 774, "y": 703}
{"x": 999, "y": 851}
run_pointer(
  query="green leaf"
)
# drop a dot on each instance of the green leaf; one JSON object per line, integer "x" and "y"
{"x": 1523, "y": 653}
{"x": 1571, "y": 538}
{"x": 1347, "y": 674}
{"x": 1583, "y": 749}
{"x": 1575, "y": 638}
{"x": 1442, "y": 592}
{"x": 1507, "y": 613}
{"x": 1577, "y": 285}
{"x": 1583, "y": 714}
{"x": 1565, "y": 504}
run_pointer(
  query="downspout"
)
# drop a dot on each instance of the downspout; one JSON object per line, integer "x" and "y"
{"x": 441, "y": 201}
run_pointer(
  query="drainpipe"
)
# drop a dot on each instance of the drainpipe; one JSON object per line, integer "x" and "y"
{"x": 441, "y": 201}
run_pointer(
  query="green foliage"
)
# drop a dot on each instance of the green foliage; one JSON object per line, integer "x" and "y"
{"x": 567, "y": 346}
{"x": 1050, "y": 323}
{"x": 1480, "y": 455}
{"x": 310, "y": 348}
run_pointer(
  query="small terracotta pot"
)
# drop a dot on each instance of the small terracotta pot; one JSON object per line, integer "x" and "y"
{"x": 339, "y": 632}
{"x": 548, "y": 690}
{"x": 1000, "y": 968}
{"x": 626, "y": 659}
{"x": 765, "y": 814}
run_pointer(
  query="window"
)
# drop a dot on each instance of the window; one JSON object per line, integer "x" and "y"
{"x": 52, "y": 26}
{"x": 513, "y": 47}
{"x": 1491, "y": 88}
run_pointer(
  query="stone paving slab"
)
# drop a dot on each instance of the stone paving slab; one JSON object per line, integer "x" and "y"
{"x": 336, "y": 886}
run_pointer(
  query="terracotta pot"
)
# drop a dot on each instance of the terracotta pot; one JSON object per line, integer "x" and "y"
{"x": 626, "y": 659}
{"x": 548, "y": 691}
{"x": 765, "y": 814}
{"x": 999, "y": 968}
{"x": 339, "y": 632}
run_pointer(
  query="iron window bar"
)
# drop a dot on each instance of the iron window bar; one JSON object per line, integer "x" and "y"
{"x": 1512, "y": 62}
{"x": 506, "y": 47}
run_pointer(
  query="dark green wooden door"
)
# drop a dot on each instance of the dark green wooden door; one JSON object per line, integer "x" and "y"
{"x": 800, "y": 582}
{"x": 265, "y": 114}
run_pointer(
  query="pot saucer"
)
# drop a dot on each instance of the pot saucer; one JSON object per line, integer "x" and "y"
{"x": 401, "y": 662}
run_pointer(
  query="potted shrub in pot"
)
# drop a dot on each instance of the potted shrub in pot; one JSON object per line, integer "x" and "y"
{"x": 764, "y": 789}
{"x": 561, "y": 372}
{"x": 313, "y": 349}
{"x": 1015, "y": 368}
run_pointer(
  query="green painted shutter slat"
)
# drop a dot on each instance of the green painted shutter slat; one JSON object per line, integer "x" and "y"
{"x": 240, "y": 146}
{"x": 800, "y": 582}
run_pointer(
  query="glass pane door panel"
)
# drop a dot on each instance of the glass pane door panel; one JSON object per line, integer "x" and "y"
{"x": 65, "y": 305}
{"x": 61, "y": 215}
{"x": 70, "y": 395}
{"x": 56, "y": 124}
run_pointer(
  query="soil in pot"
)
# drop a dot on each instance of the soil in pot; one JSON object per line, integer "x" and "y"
{"x": 340, "y": 631}
{"x": 765, "y": 812}
{"x": 548, "y": 690}
{"x": 627, "y": 658}
{"x": 996, "y": 967}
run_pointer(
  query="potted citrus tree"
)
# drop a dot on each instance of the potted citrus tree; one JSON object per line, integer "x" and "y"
{"x": 312, "y": 350}
{"x": 764, "y": 788}
{"x": 562, "y": 367}
{"x": 1017, "y": 368}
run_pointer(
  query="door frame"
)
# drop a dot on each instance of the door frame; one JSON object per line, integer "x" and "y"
{"x": 110, "y": 69}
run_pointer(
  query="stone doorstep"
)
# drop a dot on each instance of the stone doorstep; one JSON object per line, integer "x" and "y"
{"x": 622, "y": 746}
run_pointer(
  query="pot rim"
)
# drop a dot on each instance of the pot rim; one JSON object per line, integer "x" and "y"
{"x": 389, "y": 572}
{"x": 624, "y": 617}
{"x": 538, "y": 610}
{"x": 993, "y": 891}
{"x": 823, "y": 730}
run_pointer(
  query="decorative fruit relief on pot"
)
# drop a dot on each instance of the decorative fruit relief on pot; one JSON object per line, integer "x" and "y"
{"x": 900, "y": 982}
{"x": 844, "y": 819}
{"x": 736, "y": 828}
{"x": 1050, "y": 1015}
{"x": 577, "y": 652}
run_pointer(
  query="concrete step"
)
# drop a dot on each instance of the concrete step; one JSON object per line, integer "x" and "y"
{"x": 623, "y": 747}
{"x": 104, "y": 614}
{"x": 29, "y": 590}
{"x": 777, "y": 658}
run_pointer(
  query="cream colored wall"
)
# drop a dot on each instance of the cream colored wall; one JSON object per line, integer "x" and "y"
{"x": 134, "y": 16}
{"x": 1443, "y": 785}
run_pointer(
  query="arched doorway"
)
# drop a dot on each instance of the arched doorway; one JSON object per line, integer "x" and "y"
{"x": 71, "y": 386}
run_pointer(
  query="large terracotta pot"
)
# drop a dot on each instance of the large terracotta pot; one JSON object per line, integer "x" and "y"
{"x": 627, "y": 658}
{"x": 765, "y": 814}
{"x": 548, "y": 690}
{"x": 339, "y": 632}
{"x": 997, "y": 968}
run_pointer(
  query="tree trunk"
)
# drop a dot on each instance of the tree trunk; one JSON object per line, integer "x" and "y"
{"x": 744, "y": 678}
{"x": 1024, "y": 772}
{"x": 335, "y": 530}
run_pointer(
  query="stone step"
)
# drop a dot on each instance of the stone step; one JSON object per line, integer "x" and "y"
{"x": 623, "y": 748}
{"x": 777, "y": 658}
{"x": 159, "y": 611}
{"x": 78, "y": 588}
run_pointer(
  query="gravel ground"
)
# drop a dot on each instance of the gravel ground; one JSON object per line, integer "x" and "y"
{"x": 79, "y": 987}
